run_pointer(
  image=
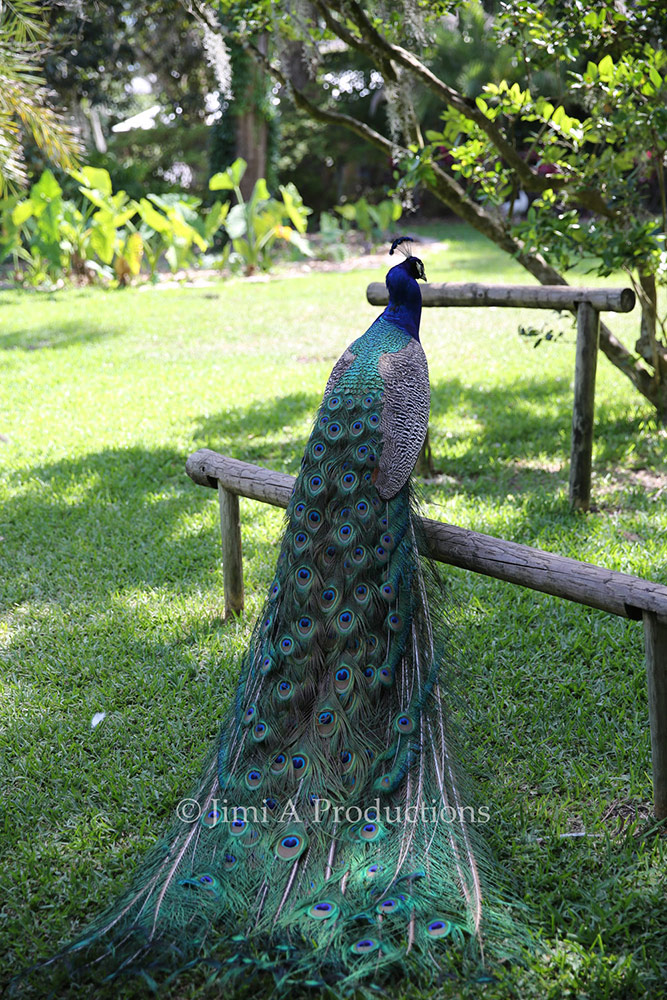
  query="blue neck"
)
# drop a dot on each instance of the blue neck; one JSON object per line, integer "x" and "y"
{"x": 405, "y": 300}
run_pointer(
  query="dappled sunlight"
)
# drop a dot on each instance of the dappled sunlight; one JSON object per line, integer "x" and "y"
{"x": 112, "y": 597}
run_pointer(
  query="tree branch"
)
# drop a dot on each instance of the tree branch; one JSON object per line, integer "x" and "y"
{"x": 449, "y": 192}
{"x": 370, "y": 36}
{"x": 328, "y": 117}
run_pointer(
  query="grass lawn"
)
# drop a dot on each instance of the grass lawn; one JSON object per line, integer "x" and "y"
{"x": 110, "y": 592}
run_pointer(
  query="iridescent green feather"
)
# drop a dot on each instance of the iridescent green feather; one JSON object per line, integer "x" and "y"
{"x": 332, "y": 844}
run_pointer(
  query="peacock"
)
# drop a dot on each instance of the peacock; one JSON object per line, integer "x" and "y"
{"x": 327, "y": 842}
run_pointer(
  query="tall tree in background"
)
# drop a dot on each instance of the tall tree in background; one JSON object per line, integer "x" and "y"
{"x": 114, "y": 58}
{"x": 247, "y": 126}
{"x": 582, "y": 149}
{"x": 24, "y": 111}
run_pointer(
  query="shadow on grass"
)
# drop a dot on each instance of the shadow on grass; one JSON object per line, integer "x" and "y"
{"x": 106, "y": 522}
{"x": 85, "y": 529}
{"x": 123, "y": 518}
{"x": 264, "y": 433}
{"x": 64, "y": 333}
{"x": 523, "y": 440}
{"x": 120, "y": 518}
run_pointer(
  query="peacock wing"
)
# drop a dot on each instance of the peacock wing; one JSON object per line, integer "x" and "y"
{"x": 405, "y": 409}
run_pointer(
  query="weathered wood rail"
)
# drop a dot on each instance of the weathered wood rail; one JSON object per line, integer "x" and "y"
{"x": 611, "y": 591}
{"x": 587, "y": 303}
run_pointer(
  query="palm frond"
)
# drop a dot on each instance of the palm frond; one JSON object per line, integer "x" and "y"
{"x": 24, "y": 107}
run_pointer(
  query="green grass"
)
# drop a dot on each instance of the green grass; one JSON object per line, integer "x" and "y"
{"x": 111, "y": 590}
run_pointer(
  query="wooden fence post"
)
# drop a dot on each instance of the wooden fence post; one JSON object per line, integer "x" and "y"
{"x": 232, "y": 556}
{"x": 655, "y": 642}
{"x": 617, "y": 593}
{"x": 581, "y": 454}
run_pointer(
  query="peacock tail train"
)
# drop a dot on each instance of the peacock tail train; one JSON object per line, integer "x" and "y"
{"x": 327, "y": 842}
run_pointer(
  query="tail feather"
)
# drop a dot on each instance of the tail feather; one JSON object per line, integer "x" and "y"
{"x": 328, "y": 838}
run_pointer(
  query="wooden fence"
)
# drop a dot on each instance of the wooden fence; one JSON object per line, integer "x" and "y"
{"x": 617, "y": 593}
{"x": 587, "y": 303}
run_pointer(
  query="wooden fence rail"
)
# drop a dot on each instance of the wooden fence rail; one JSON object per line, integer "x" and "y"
{"x": 587, "y": 303}
{"x": 618, "y": 593}
{"x": 470, "y": 293}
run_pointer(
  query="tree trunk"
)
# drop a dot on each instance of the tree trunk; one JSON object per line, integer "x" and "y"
{"x": 251, "y": 124}
{"x": 251, "y": 144}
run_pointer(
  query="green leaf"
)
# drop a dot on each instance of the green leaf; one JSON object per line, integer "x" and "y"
{"x": 435, "y": 136}
{"x": 98, "y": 178}
{"x": 171, "y": 256}
{"x": 153, "y": 218}
{"x": 237, "y": 170}
{"x": 92, "y": 195}
{"x": 47, "y": 187}
{"x": 221, "y": 182}
{"x": 22, "y": 212}
{"x": 215, "y": 218}
{"x": 103, "y": 241}
{"x": 301, "y": 243}
{"x": 347, "y": 211}
{"x": 133, "y": 252}
{"x": 296, "y": 210}
{"x": 606, "y": 67}
{"x": 260, "y": 192}
{"x": 235, "y": 223}
{"x": 121, "y": 218}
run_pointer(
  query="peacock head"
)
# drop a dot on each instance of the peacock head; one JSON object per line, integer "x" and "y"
{"x": 411, "y": 265}
{"x": 405, "y": 297}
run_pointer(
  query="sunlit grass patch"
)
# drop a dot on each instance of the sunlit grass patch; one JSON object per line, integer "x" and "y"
{"x": 111, "y": 592}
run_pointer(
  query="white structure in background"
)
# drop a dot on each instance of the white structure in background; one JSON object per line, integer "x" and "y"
{"x": 145, "y": 119}
{"x": 518, "y": 207}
